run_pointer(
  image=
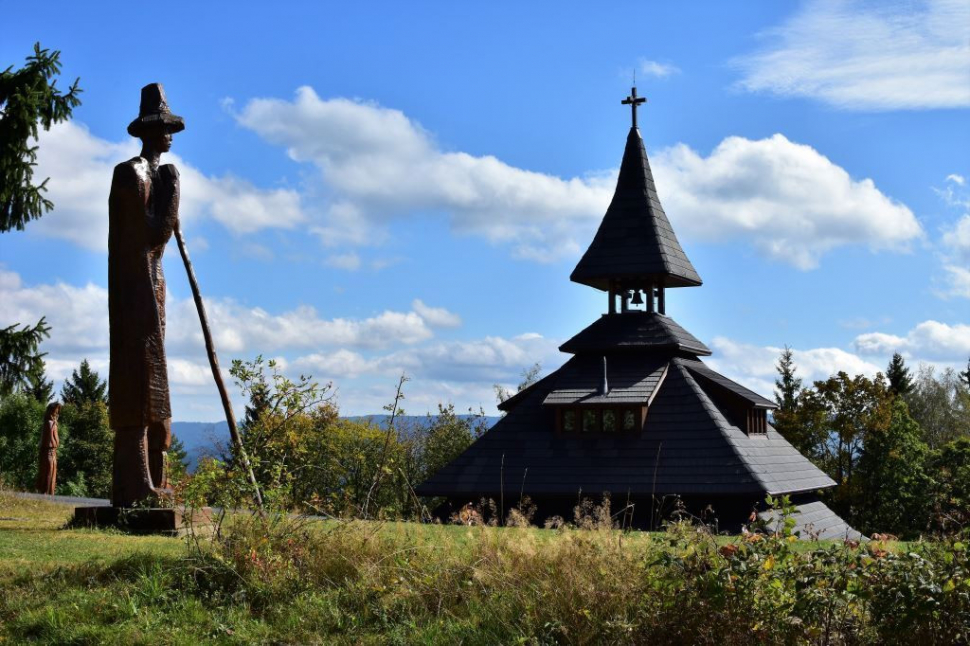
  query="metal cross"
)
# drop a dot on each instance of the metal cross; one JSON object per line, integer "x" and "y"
{"x": 633, "y": 101}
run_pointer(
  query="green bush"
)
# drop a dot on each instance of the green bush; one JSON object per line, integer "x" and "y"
{"x": 21, "y": 417}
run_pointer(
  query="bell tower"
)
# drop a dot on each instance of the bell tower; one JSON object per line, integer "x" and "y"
{"x": 635, "y": 255}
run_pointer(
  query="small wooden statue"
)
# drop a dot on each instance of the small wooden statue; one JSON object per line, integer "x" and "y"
{"x": 49, "y": 441}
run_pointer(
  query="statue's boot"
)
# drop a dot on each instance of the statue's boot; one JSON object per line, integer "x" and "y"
{"x": 132, "y": 480}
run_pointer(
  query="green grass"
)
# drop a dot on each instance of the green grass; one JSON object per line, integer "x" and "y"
{"x": 32, "y": 535}
{"x": 380, "y": 583}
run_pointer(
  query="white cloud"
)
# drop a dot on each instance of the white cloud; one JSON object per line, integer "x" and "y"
{"x": 954, "y": 192}
{"x": 256, "y": 251}
{"x": 436, "y": 316}
{"x": 336, "y": 365}
{"x": 239, "y": 329}
{"x": 957, "y": 239}
{"x": 790, "y": 200}
{"x": 79, "y": 320}
{"x": 868, "y": 56}
{"x": 490, "y": 360}
{"x": 787, "y": 199}
{"x": 189, "y": 373}
{"x": 958, "y": 279}
{"x": 861, "y": 322}
{"x": 79, "y": 329}
{"x": 236, "y": 204}
{"x": 462, "y": 372}
{"x": 754, "y": 366}
{"x": 80, "y": 166}
{"x": 197, "y": 244}
{"x": 657, "y": 69}
{"x": 928, "y": 340}
{"x": 78, "y": 316}
{"x": 349, "y": 261}
{"x": 381, "y": 165}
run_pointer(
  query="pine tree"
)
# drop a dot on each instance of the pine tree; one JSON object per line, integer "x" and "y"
{"x": 788, "y": 385}
{"x": 87, "y": 447}
{"x": 900, "y": 382}
{"x": 39, "y": 386}
{"x": 965, "y": 375}
{"x": 28, "y": 98}
{"x": 178, "y": 461}
{"x": 788, "y": 419}
{"x": 19, "y": 358}
{"x": 259, "y": 402}
{"x": 84, "y": 385}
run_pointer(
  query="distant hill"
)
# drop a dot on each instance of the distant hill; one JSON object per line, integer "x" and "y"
{"x": 203, "y": 439}
{"x": 415, "y": 422}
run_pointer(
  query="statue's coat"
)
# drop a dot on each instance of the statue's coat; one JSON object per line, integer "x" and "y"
{"x": 142, "y": 214}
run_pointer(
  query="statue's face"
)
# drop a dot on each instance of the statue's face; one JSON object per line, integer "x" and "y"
{"x": 160, "y": 140}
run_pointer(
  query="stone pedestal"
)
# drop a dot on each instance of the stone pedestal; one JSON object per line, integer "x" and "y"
{"x": 172, "y": 522}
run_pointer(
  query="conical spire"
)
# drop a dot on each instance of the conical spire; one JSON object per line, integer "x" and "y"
{"x": 635, "y": 244}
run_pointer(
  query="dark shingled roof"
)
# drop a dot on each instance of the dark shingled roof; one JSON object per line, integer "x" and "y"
{"x": 687, "y": 448}
{"x": 814, "y": 519}
{"x": 631, "y": 379}
{"x": 634, "y": 330}
{"x": 635, "y": 240}
{"x": 720, "y": 380}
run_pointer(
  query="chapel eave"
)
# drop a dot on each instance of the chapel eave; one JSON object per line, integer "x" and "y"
{"x": 632, "y": 331}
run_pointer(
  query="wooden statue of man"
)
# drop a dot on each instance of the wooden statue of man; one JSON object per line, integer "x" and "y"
{"x": 142, "y": 213}
{"x": 49, "y": 441}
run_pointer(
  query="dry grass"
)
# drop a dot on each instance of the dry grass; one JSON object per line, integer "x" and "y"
{"x": 292, "y": 581}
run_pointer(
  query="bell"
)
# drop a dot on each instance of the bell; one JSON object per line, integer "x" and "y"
{"x": 637, "y": 299}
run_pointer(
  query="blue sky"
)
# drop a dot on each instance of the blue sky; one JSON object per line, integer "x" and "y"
{"x": 407, "y": 187}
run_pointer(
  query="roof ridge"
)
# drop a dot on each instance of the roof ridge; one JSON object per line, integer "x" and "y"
{"x": 706, "y": 372}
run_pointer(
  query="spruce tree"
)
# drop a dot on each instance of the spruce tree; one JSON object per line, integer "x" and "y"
{"x": 787, "y": 420}
{"x": 39, "y": 386}
{"x": 19, "y": 356}
{"x": 788, "y": 385}
{"x": 177, "y": 461}
{"x": 84, "y": 385}
{"x": 900, "y": 382}
{"x": 87, "y": 448}
{"x": 28, "y": 98}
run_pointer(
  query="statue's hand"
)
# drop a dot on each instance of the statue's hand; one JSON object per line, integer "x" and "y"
{"x": 167, "y": 197}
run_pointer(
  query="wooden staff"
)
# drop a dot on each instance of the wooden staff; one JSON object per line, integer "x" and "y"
{"x": 210, "y": 349}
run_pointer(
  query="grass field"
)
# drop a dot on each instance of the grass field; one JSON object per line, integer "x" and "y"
{"x": 288, "y": 582}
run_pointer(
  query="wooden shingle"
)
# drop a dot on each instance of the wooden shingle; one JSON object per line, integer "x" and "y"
{"x": 635, "y": 241}
{"x": 634, "y": 330}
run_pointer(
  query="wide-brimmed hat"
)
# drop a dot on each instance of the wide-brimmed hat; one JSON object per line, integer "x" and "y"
{"x": 154, "y": 112}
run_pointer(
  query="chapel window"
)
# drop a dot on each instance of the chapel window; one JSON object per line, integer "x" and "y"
{"x": 629, "y": 420}
{"x": 609, "y": 420}
{"x": 569, "y": 421}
